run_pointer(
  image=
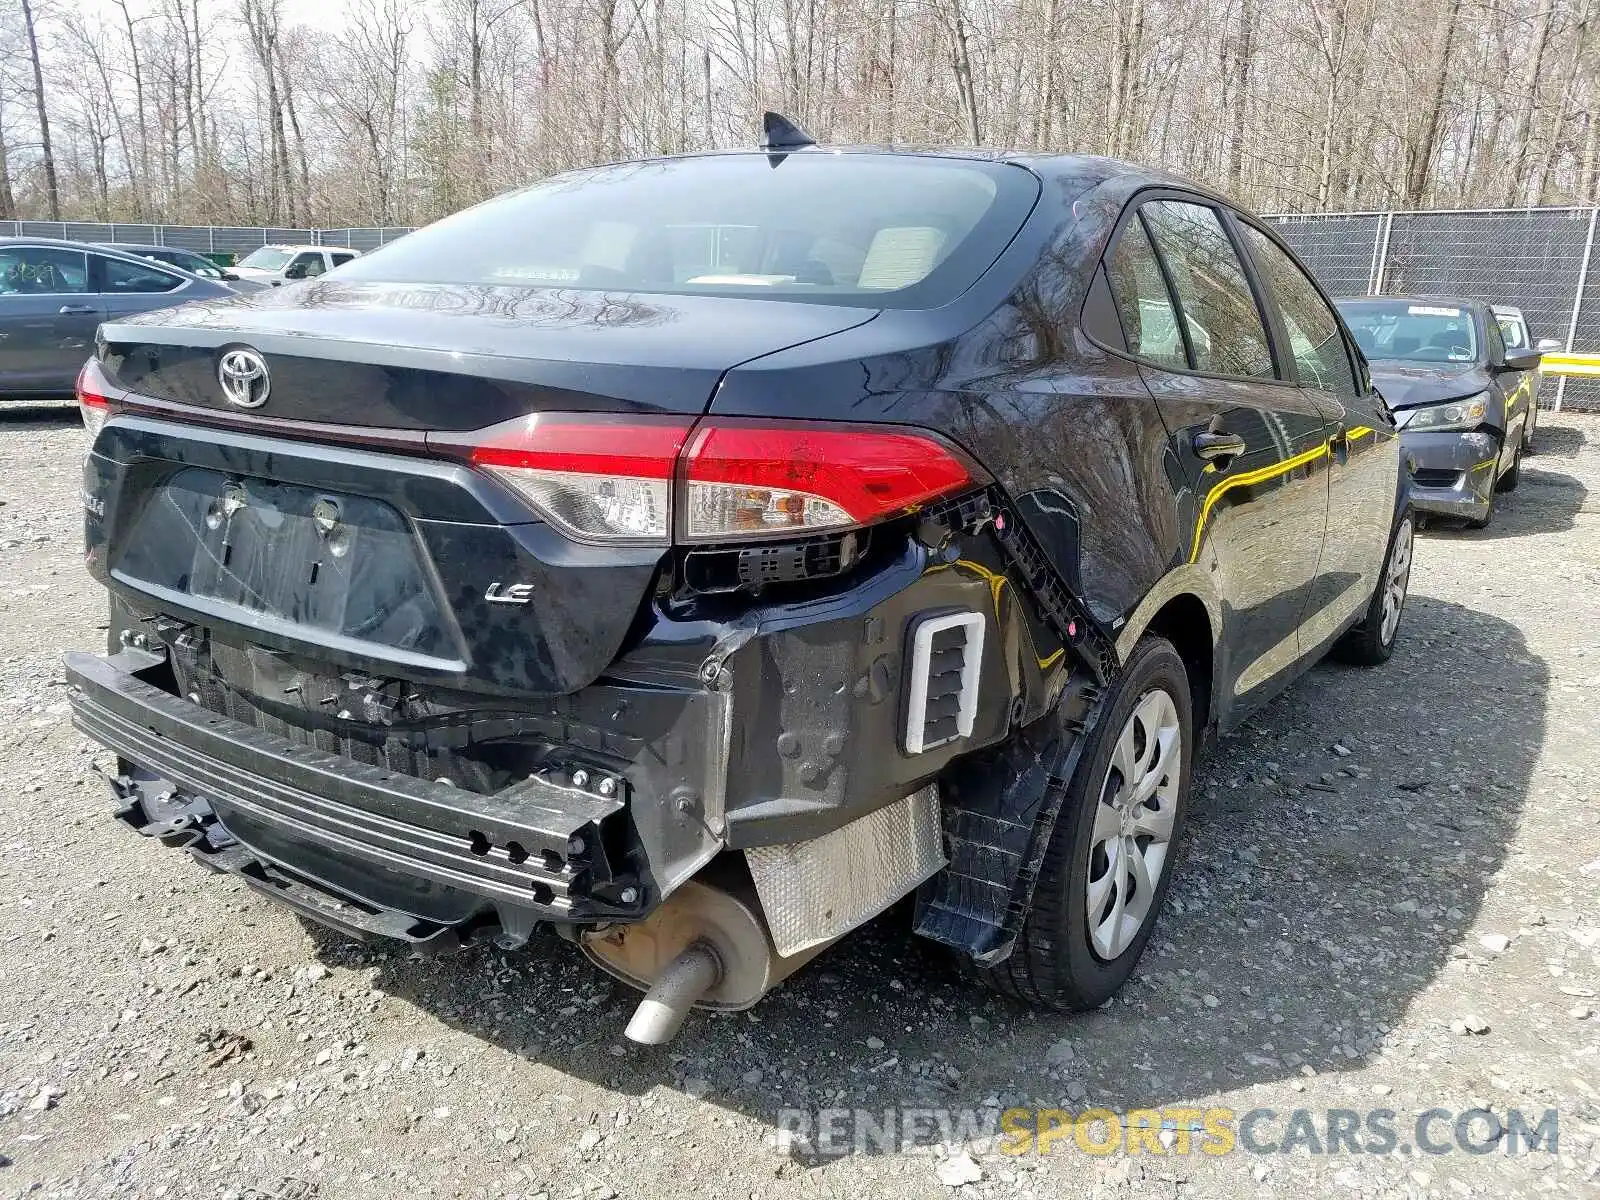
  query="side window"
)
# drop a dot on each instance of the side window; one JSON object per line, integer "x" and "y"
{"x": 126, "y": 278}
{"x": 340, "y": 259}
{"x": 1320, "y": 356}
{"x": 42, "y": 271}
{"x": 1219, "y": 309}
{"x": 310, "y": 264}
{"x": 1513, "y": 332}
{"x": 1149, "y": 324}
{"x": 1497, "y": 341}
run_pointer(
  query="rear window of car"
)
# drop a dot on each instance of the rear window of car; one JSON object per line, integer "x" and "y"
{"x": 878, "y": 230}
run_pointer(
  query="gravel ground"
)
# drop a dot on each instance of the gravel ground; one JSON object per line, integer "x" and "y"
{"x": 1390, "y": 899}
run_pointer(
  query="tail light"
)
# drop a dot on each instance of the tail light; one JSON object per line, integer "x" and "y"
{"x": 96, "y": 397}
{"x": 596, "y": 478}
{"x": 632, "y": 480}
{"x": 745, "y": 479}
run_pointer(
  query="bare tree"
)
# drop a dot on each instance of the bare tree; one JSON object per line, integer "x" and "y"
{"x": 52, "y": 187}
{"x": 223, "y": 110}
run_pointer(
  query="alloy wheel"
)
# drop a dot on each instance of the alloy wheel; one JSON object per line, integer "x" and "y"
{"x": 1133, "y": 823}
{"x": 1394, "y": 586}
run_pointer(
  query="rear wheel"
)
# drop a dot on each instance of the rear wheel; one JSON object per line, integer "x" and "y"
{"x": 1111, "y": 855}
{"x": 1372, "y": 642}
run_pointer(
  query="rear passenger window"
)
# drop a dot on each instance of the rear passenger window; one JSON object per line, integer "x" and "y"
{"x": 1219, "y": 309}
{"x": 1149, "y": 325}
{"x": 1320, "y": 357}
{"x": 136, "y": 279}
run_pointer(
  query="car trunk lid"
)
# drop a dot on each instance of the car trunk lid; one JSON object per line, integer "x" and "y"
{"x": 265, "y": 526}
{"x": 450, "y": 357}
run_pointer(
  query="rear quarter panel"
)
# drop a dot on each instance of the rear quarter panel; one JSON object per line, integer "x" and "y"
{"x": 1067, "y": 429}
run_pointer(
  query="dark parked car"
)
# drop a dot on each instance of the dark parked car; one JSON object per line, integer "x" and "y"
{"x": 1514, "y": 332}
{"x": 186, "y": 260}
{"x": 694, "y": 556}
{"x": 1466, "y": 402}
{"x": 54, "y": 294}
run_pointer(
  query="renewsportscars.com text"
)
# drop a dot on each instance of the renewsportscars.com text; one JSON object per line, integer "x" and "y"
{"x": 834, "y": 1132}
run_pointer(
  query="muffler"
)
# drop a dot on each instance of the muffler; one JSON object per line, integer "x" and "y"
{"x": 707, "y": 946}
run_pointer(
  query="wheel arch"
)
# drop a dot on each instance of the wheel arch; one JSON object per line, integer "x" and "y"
{"x": 1184, "y": 608}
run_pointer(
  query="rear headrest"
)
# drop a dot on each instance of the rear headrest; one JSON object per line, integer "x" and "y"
{"x": 899, "y": 256}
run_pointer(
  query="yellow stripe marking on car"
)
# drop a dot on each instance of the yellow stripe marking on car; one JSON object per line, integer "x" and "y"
{"x": 1259, "y": 475}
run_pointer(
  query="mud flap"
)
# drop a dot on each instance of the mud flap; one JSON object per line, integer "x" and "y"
{"x": 999, "y": 811}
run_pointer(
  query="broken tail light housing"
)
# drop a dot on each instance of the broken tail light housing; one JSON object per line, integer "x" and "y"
{"x": 744, "y": 478}
{"x": 97, "y": 399}
{"x": 596, "y": 478}
{"x": 640, "y": 480}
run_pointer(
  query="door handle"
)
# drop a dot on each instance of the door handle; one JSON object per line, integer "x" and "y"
{"x": 1213, "y": 446}
{"x": 77, "y": 310}
{"x": 1339, "y": 445}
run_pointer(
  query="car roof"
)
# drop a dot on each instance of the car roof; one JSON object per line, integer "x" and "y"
{"x": 144, "y": 247}
{"x": 118, "y": 250}
{"x": 297, "y": 247}
{"x": 1457, "y": 301}
{"x": 1078, "y": 173}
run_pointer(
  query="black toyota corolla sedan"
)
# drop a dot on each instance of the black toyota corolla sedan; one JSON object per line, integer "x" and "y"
{"x": 694, "y": 556}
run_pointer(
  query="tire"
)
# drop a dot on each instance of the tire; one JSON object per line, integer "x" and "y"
{"x": 1371, "y": 642}
{"x": 1059, "y": 961}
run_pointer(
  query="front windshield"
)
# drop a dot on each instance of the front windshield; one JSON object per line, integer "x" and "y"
{"x": 268, "y": 258}
{"x": 884, "y": 230}
{"x": 1412, "y": 330}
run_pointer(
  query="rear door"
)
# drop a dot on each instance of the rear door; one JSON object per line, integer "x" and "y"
{"x": 1363, "y": 463}
{"x": 1252, "y": 444}
{"x": 1517, "y": 388}
{"x": 48, "y": 316}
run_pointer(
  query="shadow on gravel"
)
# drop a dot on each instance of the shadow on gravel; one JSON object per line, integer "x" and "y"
{"x": 1319, "y": 894}
{"x": 1558, "y": 441}
{"x": 19, "y": 415}
{"x": 1546, "y": 501}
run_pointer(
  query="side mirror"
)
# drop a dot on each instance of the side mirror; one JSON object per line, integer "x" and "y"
{"x": 231, "y": 276}
{"x": 295, "y": 271}
{"x": 1549, "y": 346}
{"x": 1526, "y": 361}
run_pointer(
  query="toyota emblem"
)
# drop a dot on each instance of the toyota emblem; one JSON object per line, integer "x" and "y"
{"x": 244, "y": 379}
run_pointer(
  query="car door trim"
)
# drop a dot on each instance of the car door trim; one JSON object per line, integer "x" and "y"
{"x": 1130, "y": 211}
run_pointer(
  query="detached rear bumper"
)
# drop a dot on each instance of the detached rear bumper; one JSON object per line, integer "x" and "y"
{"x": 371, "y": 851}
{"x": 1453, "y": 473}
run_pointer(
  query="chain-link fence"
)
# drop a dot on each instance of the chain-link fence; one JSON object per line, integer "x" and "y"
{"x": 1538, "y": 259}
{"x": 1542, "y": 260}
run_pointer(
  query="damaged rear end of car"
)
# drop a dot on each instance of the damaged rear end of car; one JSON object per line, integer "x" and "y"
{"x": 452, "y": 614}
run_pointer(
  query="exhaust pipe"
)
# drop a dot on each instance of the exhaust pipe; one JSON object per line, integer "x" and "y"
{"x": 707, "y": 946}
{"x": 662, "y": 1011}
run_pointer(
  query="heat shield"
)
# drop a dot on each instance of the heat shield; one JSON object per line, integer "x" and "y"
{"x": 814, "y": 891}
